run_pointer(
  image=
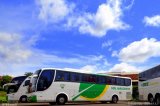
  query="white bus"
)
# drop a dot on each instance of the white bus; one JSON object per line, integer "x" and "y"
{"x": 17, "y": 89}
{"x": 149, "y": 85}
{"x": 59, "y": 86}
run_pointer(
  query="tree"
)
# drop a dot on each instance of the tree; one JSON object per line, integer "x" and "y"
{"x": 28, "y": 74}
{"x": 5, "y": 79}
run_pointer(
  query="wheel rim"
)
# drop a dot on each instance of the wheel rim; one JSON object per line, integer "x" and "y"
{"x": 115, "y": 99}
{"x": 151, "y": 100}
{"x": 23, "y": 99}
{"x": 62, "y": 100}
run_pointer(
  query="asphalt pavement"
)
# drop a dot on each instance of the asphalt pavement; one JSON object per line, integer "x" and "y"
{"x": 82, "y": 104}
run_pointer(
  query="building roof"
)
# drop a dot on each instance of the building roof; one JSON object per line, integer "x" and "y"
{"x": 132, "y": 76}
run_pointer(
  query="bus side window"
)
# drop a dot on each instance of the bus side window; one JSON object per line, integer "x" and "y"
{"x": 120, "y": 81}
{"x": 80, "y": 77}
{"x": 59, "y": 76}
{"x": 66, "y": 76}
{"x": 84, "y": 78}
{"x": 113, "y": 81}
{"x": 62, "y": 76}
{"x": 127, "y": 82}
{"x": 101, "y": 79}
{"x": 75, "y": 77}
{"x": 92, "y": 78}
{"x": 108, "y": 80}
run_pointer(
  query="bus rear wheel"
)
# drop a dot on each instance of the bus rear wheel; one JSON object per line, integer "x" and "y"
{"x": 61, "y": 100}
{"x": 114, "y": 99}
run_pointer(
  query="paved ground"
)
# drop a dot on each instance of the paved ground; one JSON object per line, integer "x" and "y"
{"x": 84, "y": 104}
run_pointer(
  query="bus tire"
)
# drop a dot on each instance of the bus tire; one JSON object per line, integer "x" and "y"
{"x": 61, "y": 99}
{"x": 150, "y": 98}
{"x": 157, "y": 99}
{"x": 23, "y": 99}
{"x": 114, "y": 99}
{"x": 103, "y": 102}
{"x": 52, "y": 103}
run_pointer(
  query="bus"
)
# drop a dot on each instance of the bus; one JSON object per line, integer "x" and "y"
{"x": 149, "y": 85}
{"x": 57, "y": 86}
{"x": 17, "y": 89}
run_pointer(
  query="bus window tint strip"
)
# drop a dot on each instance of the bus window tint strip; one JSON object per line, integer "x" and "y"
{"x": 91, "y": 78}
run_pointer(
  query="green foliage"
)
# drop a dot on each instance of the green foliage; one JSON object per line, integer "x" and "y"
{"x": 1, "y": 89}
{"x": 28, "y": 73}
{"x": 5, "y": 79}
{"x": 3, "y": 97}
{"x": 2, "y": 93}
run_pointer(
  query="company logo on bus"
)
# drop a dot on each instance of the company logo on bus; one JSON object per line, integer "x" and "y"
{"x": 149, "y": 84}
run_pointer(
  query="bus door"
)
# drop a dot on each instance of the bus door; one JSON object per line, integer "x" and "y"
{"x": 43, "y": 84}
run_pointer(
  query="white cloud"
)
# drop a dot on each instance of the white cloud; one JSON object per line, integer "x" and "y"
{"x": 84, "y": 69}
{"x": 130, "y": 4}
{"x": 54, "y": 10}
{"x": 13, "y": 48}
{"x": 140, "y": 51}
{"x": 124, "y": 67}
{"x": 108, "y": 17}
{"x": 18, "y": 55}
{"x": 107, "y": 44}
{"x": 114, "y": 53}
{"x": 152, "y": 21}
{"x": 87, "y": 69}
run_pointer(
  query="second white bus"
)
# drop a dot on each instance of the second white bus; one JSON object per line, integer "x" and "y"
{"x": 149, "y": 85}
{"x": 17, "y": 89}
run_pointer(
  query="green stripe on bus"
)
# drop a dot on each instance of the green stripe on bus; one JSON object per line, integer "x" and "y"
{"x": 90, "y": 91}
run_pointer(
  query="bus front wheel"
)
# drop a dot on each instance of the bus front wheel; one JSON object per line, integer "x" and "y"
{"x": 23, "y": 99}
{"x": 150, "y": 98}
{"x": 114, "y": 99}
{"x": 61, "y": 99}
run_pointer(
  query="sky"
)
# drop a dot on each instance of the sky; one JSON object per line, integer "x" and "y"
{"x": 95, "y": 36}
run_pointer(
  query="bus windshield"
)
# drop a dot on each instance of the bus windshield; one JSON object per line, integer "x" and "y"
{"x": 18, "y": 80}
{"x": 45, "y": 79}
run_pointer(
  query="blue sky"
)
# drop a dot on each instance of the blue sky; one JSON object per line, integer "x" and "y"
{"x": 88, "y": 36}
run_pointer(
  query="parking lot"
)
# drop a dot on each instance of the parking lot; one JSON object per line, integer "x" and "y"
{"x": 82, "y": 104}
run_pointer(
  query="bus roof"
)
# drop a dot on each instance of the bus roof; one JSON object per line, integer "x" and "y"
{"x": 151, "y": 69}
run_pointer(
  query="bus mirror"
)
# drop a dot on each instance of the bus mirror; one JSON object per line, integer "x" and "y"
{"x": 27, "y": 82}
{"x": 35, "y": 76}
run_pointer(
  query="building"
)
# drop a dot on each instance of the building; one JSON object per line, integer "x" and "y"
{"x": 134, "y": 76}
